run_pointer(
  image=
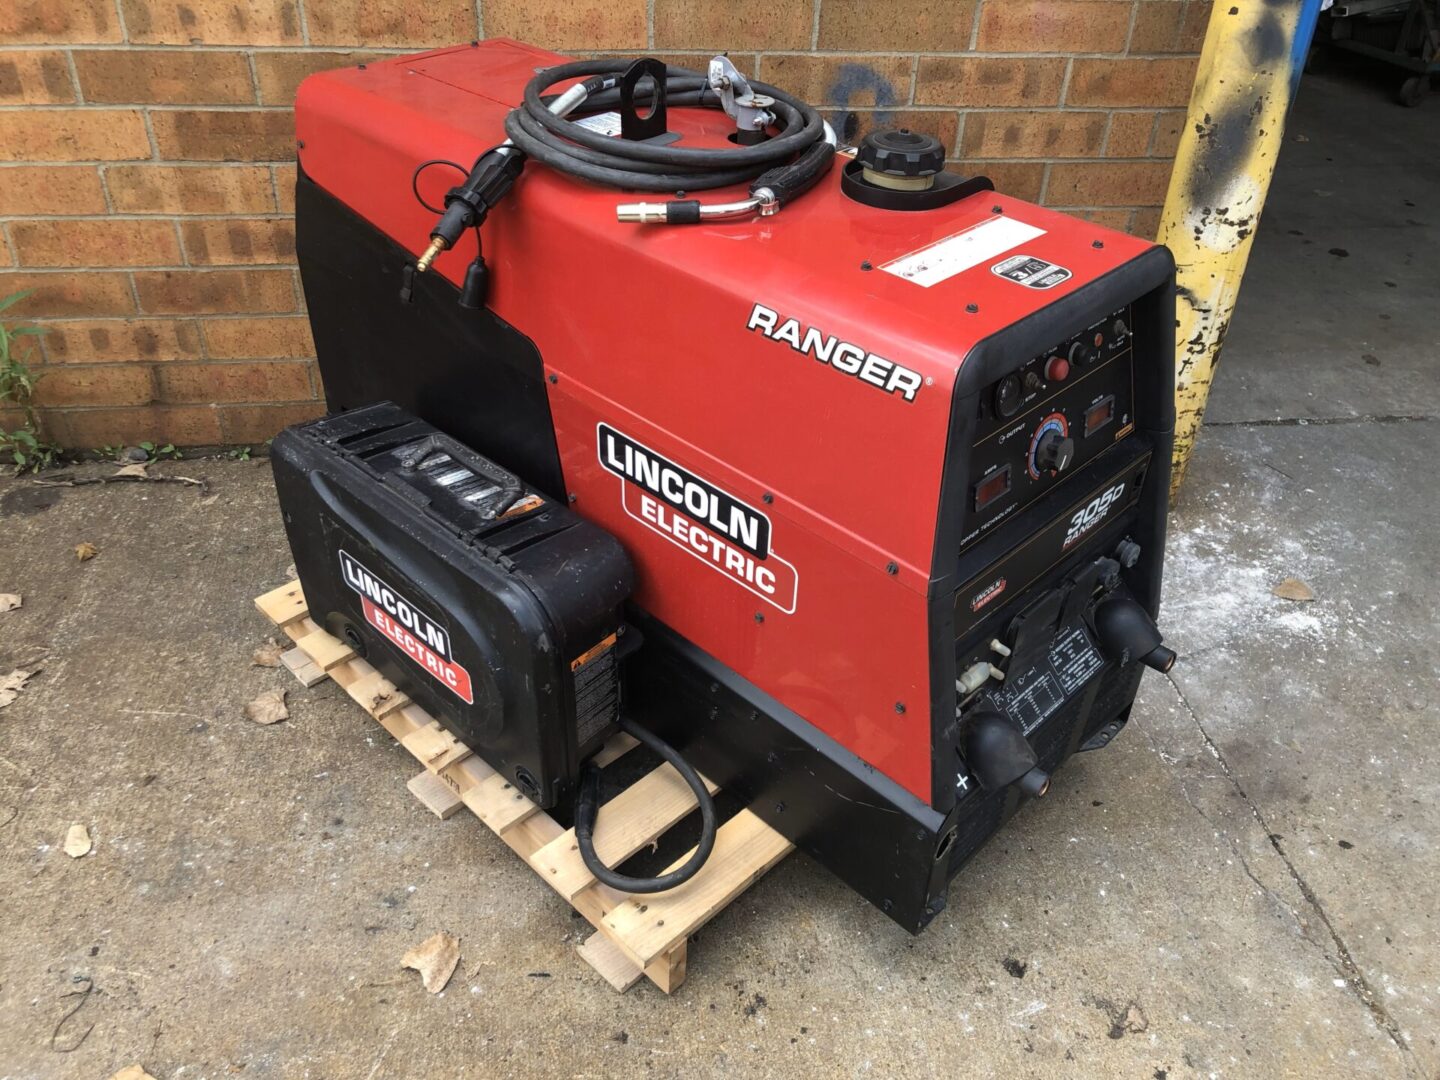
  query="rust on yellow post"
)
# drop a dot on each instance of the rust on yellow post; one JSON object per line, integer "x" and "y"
{"x": 1249, "y": 70}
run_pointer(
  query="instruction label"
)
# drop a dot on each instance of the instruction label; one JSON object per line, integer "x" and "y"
{"x": 1032, "y": 696}
{"x": 957, "y": 253}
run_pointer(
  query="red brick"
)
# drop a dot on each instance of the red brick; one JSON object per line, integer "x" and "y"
{"x": 847, "y": 82}
{"x": 239, "y": 241}
{"x": 1110, "y": 219}
{"x": 110, "y": 340}
{"x": 580, "y": 24}
{"x": 245, "y": 339}
{"x": 57, "y": 295}
{"x": 33, "y": 77}
{"x": 165, "y": 77}
{"x": 84, "y": 429}
{"x": 1033, "y": 134}
{"x": 898, "y": 25}
{"x": 397, "y": 22}
{"x": 96, "y": 384}
{"x": 1169, "y": 26}
{"x": 46, "y": 22}
{"x": 47, "y": 189}
{"x": 279, "y": 74}
{"x": 1130, "y": 134}
{"x": 74, "y": 135}
{"x": 703, "y": 24}
{"x": 989, "y": 81}
{"x": 206, "y": 292}
{"x": 1018, "y": 179}
{"x": 249, "y": 424}
{"x": 190, "y": 189}
{"x": 91, "y": 243}
{"x": 1168, "y": 130}
{"x": 1146, "y": 223}
{"x": 852, "y": 125}
{"x": 213, "y": 22}
{"x": 1107, "y": 183}
{"x": 184, "y": 384}
{"x": 1131, "y": 82}
{"x": 1054, "y": 26}
{"x": 225, "y": 135}
{"x": 284, "y": 177}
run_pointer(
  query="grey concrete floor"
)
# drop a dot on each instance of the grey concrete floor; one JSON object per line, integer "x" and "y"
{"x": 1243, "y": 885}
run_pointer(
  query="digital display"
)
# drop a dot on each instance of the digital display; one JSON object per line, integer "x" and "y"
{"x": 992, "y": 487}
{"x": 1099, "y": 414}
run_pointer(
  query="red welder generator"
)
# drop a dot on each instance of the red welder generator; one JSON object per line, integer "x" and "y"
{"x": 827, "y": 472}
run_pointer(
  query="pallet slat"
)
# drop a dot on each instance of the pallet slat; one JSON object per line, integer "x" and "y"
{"x": 302, "y": 667}
{"x": 438, "y": 799}
{"x": 745, "y": 848}
{"x": 284, "y": 605}
{"x": 637, "y": 816}
{"x": 631, "y": 940}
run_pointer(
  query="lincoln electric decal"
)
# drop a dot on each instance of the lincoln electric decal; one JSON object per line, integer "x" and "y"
{"x": 728, "y": 535}
{"x": 408, "y": 628}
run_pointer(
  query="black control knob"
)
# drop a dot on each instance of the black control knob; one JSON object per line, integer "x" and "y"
{"x": 1083, "y": 354}
{"x": 1008, "y": 394}
{"x": 1054, "y": 451}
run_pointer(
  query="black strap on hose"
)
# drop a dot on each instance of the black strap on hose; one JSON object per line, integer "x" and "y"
{"x": 647, "y": 166}
{"x": 587, "y": 807}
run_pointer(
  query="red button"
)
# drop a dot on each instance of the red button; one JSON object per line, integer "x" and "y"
{"x": 1057, "y": 369}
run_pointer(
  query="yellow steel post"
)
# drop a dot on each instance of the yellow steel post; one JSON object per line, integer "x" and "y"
{"x": 1249, "y": 70}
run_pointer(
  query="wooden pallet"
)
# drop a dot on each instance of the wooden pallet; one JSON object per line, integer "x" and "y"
{"x": 634, "y": 935}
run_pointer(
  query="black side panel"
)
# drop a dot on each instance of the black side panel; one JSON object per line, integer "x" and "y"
{"x": 469, "y": 373}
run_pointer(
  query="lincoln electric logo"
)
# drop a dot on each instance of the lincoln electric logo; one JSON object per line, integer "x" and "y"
{"x": 722, "y": 531}
{"x": 408, "y": 628}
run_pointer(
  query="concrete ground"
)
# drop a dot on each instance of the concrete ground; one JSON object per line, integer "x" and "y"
{"x": 1243, "y": 885}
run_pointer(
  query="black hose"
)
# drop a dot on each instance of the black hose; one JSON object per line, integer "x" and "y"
{"x": 643, "y": 166}
{"x": 587, "y": 806}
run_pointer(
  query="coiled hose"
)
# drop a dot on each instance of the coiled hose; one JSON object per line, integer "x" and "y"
{"x": 643, "y": 166}
{"x": 587, "y": 807}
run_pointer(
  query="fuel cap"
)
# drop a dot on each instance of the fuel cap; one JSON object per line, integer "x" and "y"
{"x": 900, "y": 158}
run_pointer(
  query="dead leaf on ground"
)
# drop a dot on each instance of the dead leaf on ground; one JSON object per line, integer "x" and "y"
{"x": 268, "y": 708}
{"x": 77, "y": 841}
{"x": 435, "y": 959}
{"x": 12, "y": 684}
{"x": 86, "y": 551}
{"x": 132, "y": 1072}
{"x": 131, "y": 470}
{"x": 1292, "y": 588}
{"x": 268, "y": 654}
{"x": 9, "y": 601}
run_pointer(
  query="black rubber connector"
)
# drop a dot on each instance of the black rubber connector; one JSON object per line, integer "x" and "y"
{"x": 587, "y": 808}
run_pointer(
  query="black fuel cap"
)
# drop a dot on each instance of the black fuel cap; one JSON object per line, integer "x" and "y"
{"x": 901, "y": 153}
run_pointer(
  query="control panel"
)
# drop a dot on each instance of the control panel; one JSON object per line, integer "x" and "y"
{"x": 1051, "y": 415}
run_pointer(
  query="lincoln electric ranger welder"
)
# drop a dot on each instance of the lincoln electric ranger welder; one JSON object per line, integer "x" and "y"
{"x": 830, "y": 474}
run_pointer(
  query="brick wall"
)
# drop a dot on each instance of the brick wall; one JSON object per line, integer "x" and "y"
{"x": 146, "y": 154}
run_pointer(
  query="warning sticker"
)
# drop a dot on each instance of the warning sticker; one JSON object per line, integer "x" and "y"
{"x": 605, "y": 123}
{"x": 1031, "y": 272}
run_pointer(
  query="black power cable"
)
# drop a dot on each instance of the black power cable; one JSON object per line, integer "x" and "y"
{"x": 646, "y": 166}
{"x": 587, "y": 807}
{"x": 780, "y": 167}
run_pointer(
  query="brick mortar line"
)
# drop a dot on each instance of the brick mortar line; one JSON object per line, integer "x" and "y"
{"x": 91, "y": 365}
{"x": 266, "y": 215}
{"x": 131, "y": 106}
